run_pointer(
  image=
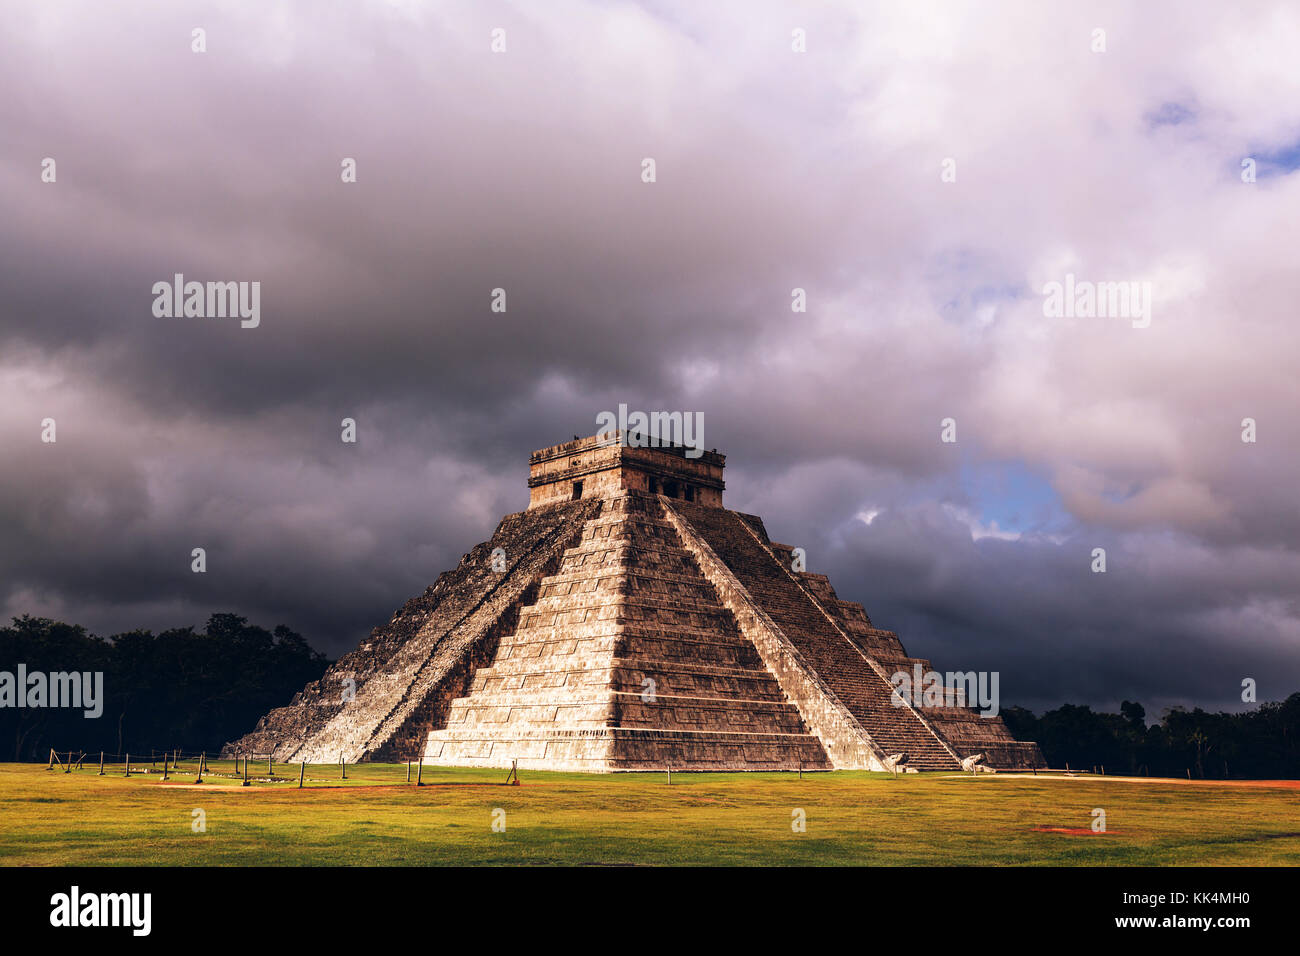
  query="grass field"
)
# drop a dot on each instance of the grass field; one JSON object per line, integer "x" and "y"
{"x": 50, "y": 818}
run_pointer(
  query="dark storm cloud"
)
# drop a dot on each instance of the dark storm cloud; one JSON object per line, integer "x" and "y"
{"x": 775, "y": 171}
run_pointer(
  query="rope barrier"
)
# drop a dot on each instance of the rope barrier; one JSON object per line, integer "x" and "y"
{"x": 238, "y": 767}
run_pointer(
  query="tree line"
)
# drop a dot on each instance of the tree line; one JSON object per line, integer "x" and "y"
{"x": 179, "y": 689}
{"x": 1263, "y": 743}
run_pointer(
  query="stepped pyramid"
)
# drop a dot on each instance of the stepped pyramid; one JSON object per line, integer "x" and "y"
{"x": 627, "y": 621}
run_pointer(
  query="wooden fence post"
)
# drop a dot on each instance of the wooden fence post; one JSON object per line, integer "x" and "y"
{"x": 408, "y": 771}
{"x": 101, "y": 763}
{"x": 51, "y": 766}
{"x": 419, "y": 773}
{"x": 343, "y": 767}
{"x": 128, "y": 765}
{"x": 245, "y": 783}
{"x": 302, "y": 772}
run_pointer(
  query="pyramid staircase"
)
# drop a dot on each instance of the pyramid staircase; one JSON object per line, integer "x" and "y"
{"x": 626, "y": 661}
{"x": 861, "y": 684}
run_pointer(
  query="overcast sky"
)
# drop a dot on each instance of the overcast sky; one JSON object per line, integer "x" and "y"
{"x": 775, "y": 170}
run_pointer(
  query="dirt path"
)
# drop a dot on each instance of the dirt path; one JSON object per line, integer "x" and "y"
{"x": 1248, "y": 784}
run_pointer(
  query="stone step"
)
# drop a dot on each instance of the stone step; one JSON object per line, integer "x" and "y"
{"x": 613, "y": 748}
{"x": 626, "y": 676}
{"x": 587, "y": 652}
{"x": 627, "y": 710}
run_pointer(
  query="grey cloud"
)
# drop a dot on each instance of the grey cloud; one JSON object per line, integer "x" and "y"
{"x": 522, "y": 171}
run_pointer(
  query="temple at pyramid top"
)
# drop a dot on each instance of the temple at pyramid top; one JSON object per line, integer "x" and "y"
{"x": 626, "y": 620}
{"x": 602, "y": 465}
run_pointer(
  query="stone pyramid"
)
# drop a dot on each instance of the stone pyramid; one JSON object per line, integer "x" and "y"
{"x": 627, "y": 621}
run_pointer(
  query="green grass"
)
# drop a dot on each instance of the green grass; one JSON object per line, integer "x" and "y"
{"x": 52, "y": 818}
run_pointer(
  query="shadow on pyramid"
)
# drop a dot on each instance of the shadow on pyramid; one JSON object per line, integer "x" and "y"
{"x": 627, "y": 621}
